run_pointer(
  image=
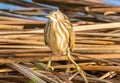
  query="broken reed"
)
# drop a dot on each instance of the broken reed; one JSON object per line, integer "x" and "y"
{"x": 27, "y": 45}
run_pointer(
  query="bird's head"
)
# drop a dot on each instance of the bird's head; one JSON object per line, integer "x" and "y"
{"x": 52, "y": 14}
{"x": 56, "y": 15}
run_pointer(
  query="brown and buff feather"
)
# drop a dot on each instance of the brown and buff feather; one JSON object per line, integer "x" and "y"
{"x": 59, "y": 34}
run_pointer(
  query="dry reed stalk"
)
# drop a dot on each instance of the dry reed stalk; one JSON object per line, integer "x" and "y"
{"x": 11, "y": 27}
{"x": 17, "y": 36}
{"x": 83, "y": 23}
{"x": 23, "y": 36}
{"x": 17, "y": 60}
{"x": 95, "y": 1}
{"x": 117, "y": 46}
{"x": 29, "y": 13}
{"x": 110, "y": 74}
{"x": 3, "y": 70}
{"x": 31, "y": 9}
{"x": 6, "y": 18}
{"x": 113, "y": 51}
{"x": 78, "y": 48}
{"x": 64, "y": 58}
{"x": 97, "y": 26}
{"x": 79, "y": 57}
{"x": 25, "y": 72}
{"x": 67, "y": 4}
{"x": 41, "y": 48}
{"x": 76, "y": 28}
{"x": 14, "y": 55}
{"x": 29, "y": 50}
{"x": 98, "y": 34}
{"x": 5, "y": 81}
{"x": 39, "y": 54}
{"x": 96, "y": 38}
{"x": 99, "y": 42}
{"x": 91, "y": 67}
{"x": 29, "y": 57}
{"x": 22, "y": 22}
{"x": 24, "y": 42}
{"x": 22, "y": 32}
{"x": 103, "y": 9}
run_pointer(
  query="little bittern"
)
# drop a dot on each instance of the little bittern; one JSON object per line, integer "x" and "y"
{"x": 59, "y": 36}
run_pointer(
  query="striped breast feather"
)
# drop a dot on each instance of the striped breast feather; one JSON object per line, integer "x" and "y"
{"x": 46, "y": 33}
{"x": 71, "y": 32}
{"x": 59, "y": 38}
{"x": 71, "y": 36}
{"x": 71, "y": 39}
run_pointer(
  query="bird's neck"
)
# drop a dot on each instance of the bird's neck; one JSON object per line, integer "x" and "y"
{"x": 54, "y": 19}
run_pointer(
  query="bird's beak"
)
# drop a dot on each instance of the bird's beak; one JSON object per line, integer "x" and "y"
{"x": 48, "y": 16}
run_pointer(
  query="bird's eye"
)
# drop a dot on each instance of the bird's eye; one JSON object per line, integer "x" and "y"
{"x": 56, "y": 15}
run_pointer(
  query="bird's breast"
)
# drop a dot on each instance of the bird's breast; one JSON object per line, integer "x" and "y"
{"x": 59, "y": 38}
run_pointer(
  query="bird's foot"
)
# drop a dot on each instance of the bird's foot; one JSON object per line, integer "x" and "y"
{"x": 49, "y": 66}
{"x": 81, "y": 72}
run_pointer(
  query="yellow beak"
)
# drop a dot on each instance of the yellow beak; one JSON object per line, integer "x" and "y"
{"x": 48, "y": 16}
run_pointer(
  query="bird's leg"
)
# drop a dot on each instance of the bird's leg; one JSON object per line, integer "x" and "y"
{"x": 67, "y": 69}
{"x": 49, "y": 65}
{"x": 83, "y": 74}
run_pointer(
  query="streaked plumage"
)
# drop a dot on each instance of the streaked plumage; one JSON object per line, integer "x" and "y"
{"x": 60, "y": 37}
{"x": 59, "y": 34}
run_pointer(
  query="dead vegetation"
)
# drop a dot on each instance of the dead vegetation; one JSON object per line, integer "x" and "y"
{"x": 23, "y": 54}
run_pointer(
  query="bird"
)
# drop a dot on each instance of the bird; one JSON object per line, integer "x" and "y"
{"x": 59, "y": 36}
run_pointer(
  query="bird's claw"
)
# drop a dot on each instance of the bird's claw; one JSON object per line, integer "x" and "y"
{"x": 49, "y": 67}
{"x": 81, "y": 72}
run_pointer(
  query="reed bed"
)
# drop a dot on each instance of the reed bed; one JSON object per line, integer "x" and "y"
{"x": 23, "y": 54}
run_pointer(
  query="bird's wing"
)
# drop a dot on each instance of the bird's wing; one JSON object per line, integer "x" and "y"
{"x": 71, "y": 38}
{"x": 46, "y": 34}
